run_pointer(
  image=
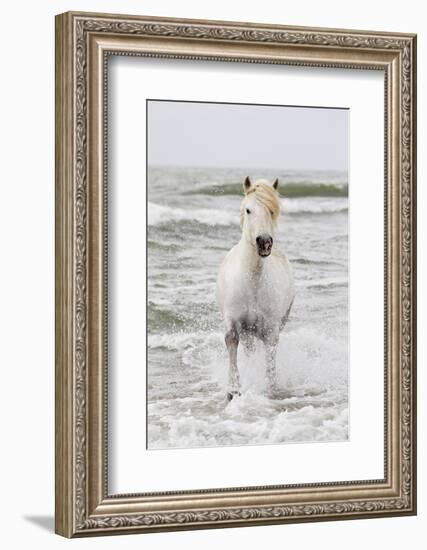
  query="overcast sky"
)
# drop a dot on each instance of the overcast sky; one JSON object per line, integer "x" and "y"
{"x": 230, "y": 135}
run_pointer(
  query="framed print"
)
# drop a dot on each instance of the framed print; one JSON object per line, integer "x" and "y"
{"x": 235, "y": 274}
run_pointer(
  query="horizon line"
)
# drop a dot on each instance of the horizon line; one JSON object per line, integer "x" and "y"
{"x": 223, "y": 167}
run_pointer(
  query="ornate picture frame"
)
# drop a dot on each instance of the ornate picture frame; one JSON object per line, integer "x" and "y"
{"x": 84, "y": 42}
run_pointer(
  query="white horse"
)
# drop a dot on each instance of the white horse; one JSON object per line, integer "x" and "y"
{"x": 254, "y": 287}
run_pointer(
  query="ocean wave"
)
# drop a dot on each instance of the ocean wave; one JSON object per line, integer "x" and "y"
{"x": 159, "y": 317}
{"x": 312, "y": 404}
{"x": 307, "y": 359}
{"x": 310, "y": 261}
{"x": 330, "y": 282}
{"x": 316, "y": 206}
{"x": 237, "y": 425}
{"x": 159, "y": 214}
{"x": 288, "y": 189}
{"x": 181, "y": 340}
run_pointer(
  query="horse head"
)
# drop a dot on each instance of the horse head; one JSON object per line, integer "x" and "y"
{"x": 259, "y": 213}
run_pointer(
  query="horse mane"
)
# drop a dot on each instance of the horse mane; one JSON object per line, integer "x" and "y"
{"x": 267, "y": 196}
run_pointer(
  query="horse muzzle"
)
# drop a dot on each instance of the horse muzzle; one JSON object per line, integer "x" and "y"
{"x": 264, "y": 245}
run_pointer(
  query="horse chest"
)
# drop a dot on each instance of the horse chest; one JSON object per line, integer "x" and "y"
{"x": 258, "y": 303}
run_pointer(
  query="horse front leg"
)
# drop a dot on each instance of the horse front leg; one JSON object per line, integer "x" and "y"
{"x": 271, "y": 342}
{"x": 271, "y": 365}
{"x": 232, "y": 343}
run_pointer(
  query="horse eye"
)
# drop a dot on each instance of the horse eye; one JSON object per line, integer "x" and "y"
{"x": 248, "y": 211}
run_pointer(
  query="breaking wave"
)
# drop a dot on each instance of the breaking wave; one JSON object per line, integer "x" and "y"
{"x": 161, "y": 215}
{"x": 311, "y": 406}
{"x": 314, "y": 206}
{"x": 290, "y": 189}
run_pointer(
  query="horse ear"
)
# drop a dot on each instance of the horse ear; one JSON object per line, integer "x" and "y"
{"x": 276, "y": 183}
{"x": 247, "y": 184}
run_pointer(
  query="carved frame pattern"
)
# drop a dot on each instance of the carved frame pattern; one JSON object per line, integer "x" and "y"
{"x": 83, "y": 510}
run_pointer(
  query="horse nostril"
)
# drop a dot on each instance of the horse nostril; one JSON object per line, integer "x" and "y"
{"x": 264, "y": 241}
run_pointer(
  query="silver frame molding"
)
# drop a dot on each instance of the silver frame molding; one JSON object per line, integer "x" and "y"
{"x": 83, "y": 43}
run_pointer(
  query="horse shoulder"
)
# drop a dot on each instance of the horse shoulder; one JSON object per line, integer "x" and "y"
{"x": 227, "y": 271}
{"x": 231, "y": 290}
{"x": 282, "y": 264}
{"x": 280, "y": 257}
{"x": 228, "y": 265}
{"x": 278, "y": 291}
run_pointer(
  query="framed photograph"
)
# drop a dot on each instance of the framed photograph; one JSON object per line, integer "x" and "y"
{"x": 235, "y": 274}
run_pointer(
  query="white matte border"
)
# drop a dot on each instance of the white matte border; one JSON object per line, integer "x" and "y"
{"x": 131, "y": 467}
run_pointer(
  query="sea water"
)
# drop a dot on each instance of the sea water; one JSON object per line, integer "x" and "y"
{"x": 193, "y": 220}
